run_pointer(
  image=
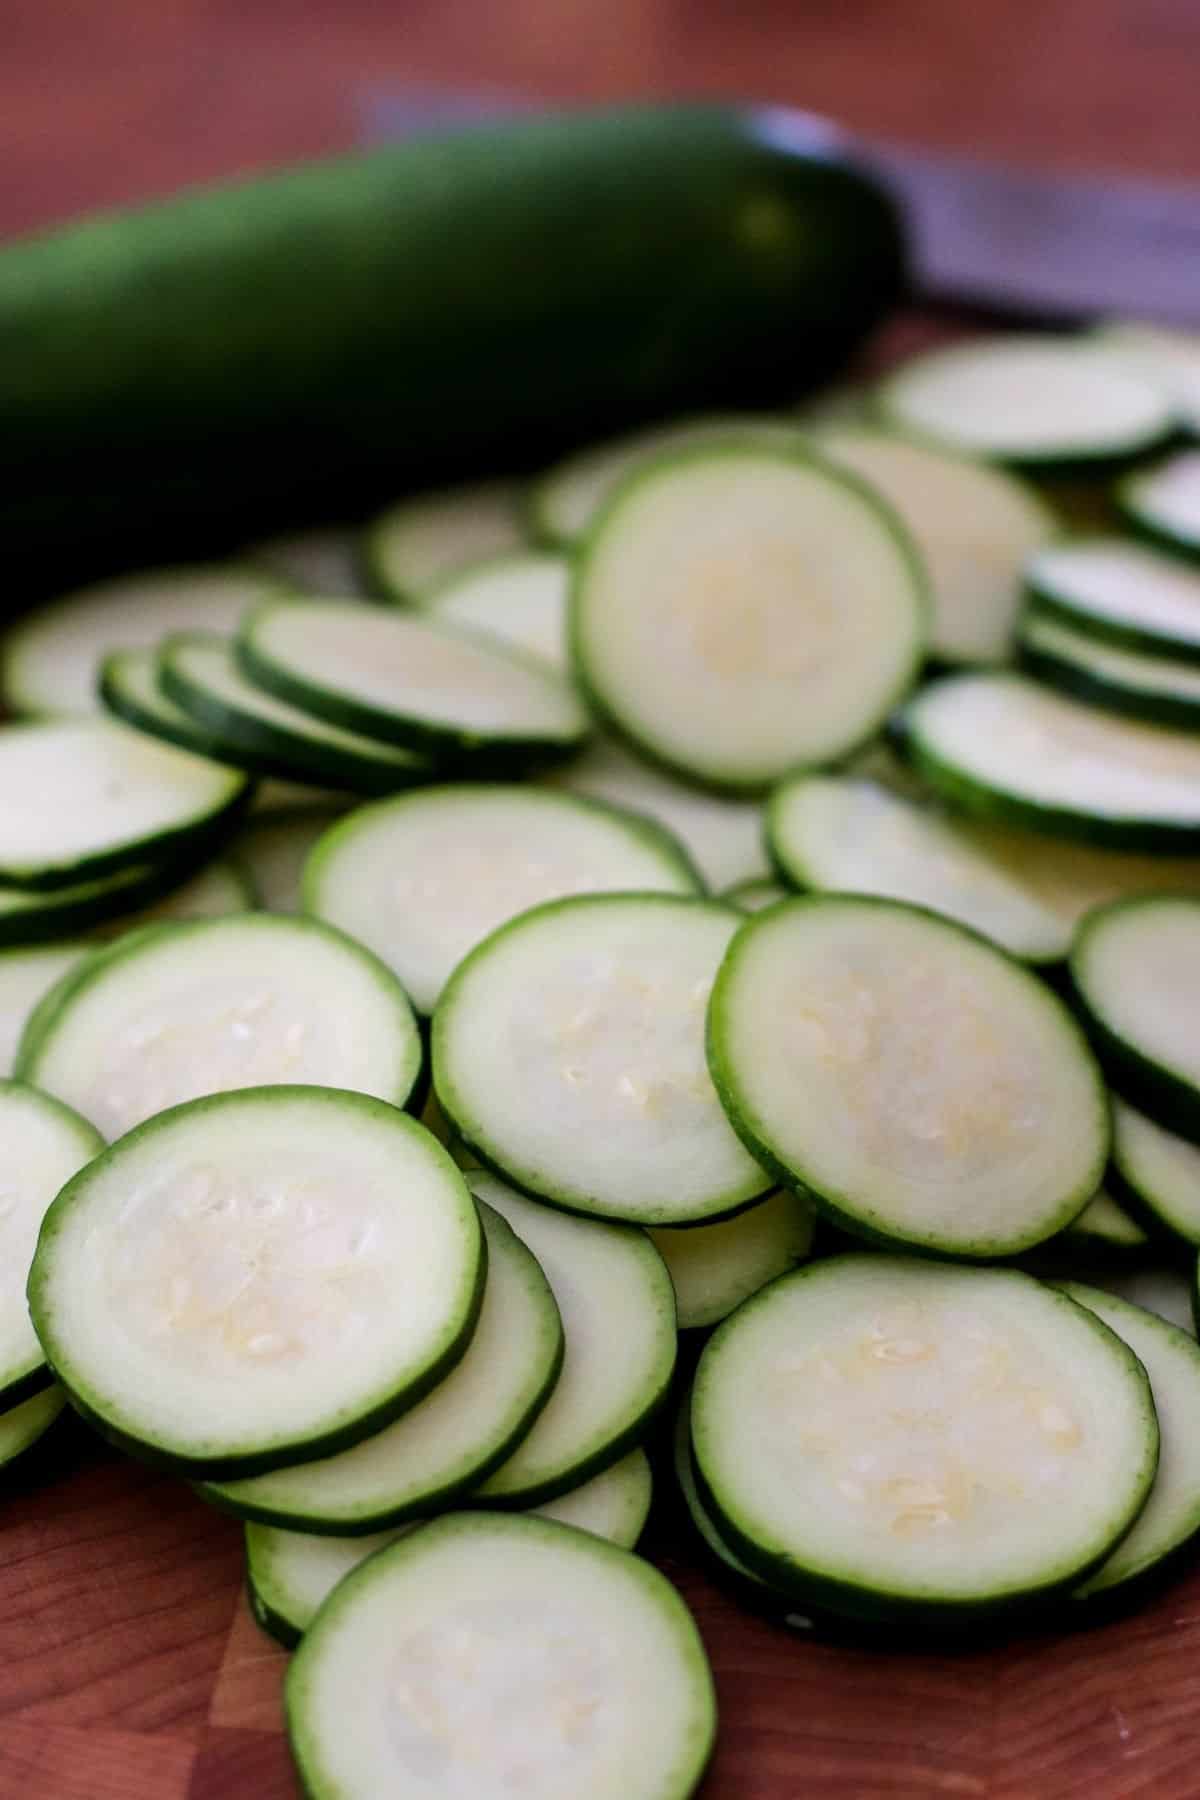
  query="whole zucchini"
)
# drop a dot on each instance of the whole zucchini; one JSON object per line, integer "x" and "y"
{"x": 283, "y": 347}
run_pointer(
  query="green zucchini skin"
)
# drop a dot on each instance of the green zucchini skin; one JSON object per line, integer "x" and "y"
{"x": 417, "y": 313}
{"x": 1081, "y": 683}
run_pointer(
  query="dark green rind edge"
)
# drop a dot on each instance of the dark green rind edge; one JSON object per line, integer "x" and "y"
{"x": 1081, "y": 683}
{"x": 184, "y": 734}
{"x": 274, "y": 1623}
{"x": 792, "y": 1258}
{"x": 1139, "y": 519}
{"x": 1144, "y": 1206}
{"x": 130, "y": 891}
{"x": 1044, "y": 602}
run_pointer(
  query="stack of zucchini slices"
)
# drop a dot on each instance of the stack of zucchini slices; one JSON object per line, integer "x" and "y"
{"x": 713, "y": 937}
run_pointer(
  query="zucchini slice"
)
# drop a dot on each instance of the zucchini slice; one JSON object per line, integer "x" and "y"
{"x": 520, "y": 600}
{"x": 1135, "y": 969}
{"x": 109, "y": 904}
{"x": 45, "y": 1143}
{"x": 739, "y": 612}
{"x": 1028, "y": 400}
{"x": 1013, "y": 751}
{"x": 713, "y": 1268}
{"x": 449, "y": 1441}
{"x": 1170, "y": 1518}
{"x": 926, "y": 1090}
{"x": 26, "y": 1424}
{"x": 752, "y": 896}
{"x": 1070, "y": 879}
{"x": 618, "y": 1314}
{"x": 898, "y": 1437}
{"x": 1166, "y": 358}
{"x": 207, "y": 1006}
{"x": 324, "y": 561}
{"x": 1104, "y": 1228}
{"x": 401, "y": 678}
{"x": 723, "y": 836}
{"x": 424, "y": 878}
{"x": 568, "y": 1051}
{"x": 614, "y": 1504}
{"x": 259, "y": 1277}
{"x": 25, "y": 976}
{"x": 86, "y": 797}
{"x": 1160, "y": 1171}
{"x": 1155, "y": 688}
{"x": 1163, "y": 1290}
{"x": 50, "y": 660}
{"x": 973, "y": 525}
{"x": 836, "y": 834}
{"x": 1163, "y": 502}
{"x": 273, "y": 847}
{"x": 199, "y": 674}
{"x": 504, "y": 1656}
{"x": 419, "y": 542}
{"x": 1125, "y": 593}
{"x": 131, "y": 691}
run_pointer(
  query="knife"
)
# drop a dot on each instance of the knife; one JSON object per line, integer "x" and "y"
{"x": 982, "y": 233}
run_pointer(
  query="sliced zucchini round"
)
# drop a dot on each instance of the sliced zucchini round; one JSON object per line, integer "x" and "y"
{"x": 519, "y": 599}
{"x": 50, "y": 660}
{"x": 1125, "y": 593}
{"x": 723, "y": 836}
{"x": 1027, "y": 400}
{"x": 973, "y": 525}
{"x": 713, "y": 1268}
{"x": 259, "y": 1277}
{"x": 1104, "y": 1228}
{"x": 408, "y": 681}
{"x": 504, "y": 1656}
{"x": 752, "y": 896}
{"x": 894, "y": 1436}
{"x": 1018, "y": 753}
{"x": 26, "y": 975}
{"x": 424, "y": 878}
{"x": 45, "y": 1143}
{"x": 324, "y": 561}
{"x": 1070, "y": 878}
{"x": 614, "y": 1504}
{"x": 207, "y": 1006}
{"x": 1166, "y": 358}
{"x": 199, "y": 674}
{"x": 568, "y": 1051}
{"x": 836, "y": 834}
{"x": 927, "y": 1091}
{"x": 23, "y": 1426}
{"x": 130, "y": 690}
{"x": 85, "y": 797}
{"x": 1159, "y": 1170}
{"x": 738, "y": 612}
{"x": 103, "y": 906}
{"x": 618, "y": 1314}
{"x": 566, "y": 501}
{"x": 420, "y": 541}
{"x": 1170, "y": 1518}
{"x": 1163, "y": 502}
{"x": 449, "y": 1441}
{"x": 273, "y": 848}
{"x": 1135, "y": 969}
{"x": 1155, "y": 688}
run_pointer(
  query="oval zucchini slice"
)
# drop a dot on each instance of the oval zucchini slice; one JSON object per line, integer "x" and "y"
{"x": 1163, "y": 502}
{"x": 1104, "y": 1228}
{"x": 520, "y": 600}
{"x": 1071, "y": 878}
{"x": 421, "y": 541}
{"x": 1125, "y": 593}
{"x": 1166, "y": 358}
{"x": 1158, "y": 1170}
{"x": 131, "y": 690}
{"x": 614, "y": 1504}
{"x": 1155, "y": 688}
{"x": 713, "y": 1268}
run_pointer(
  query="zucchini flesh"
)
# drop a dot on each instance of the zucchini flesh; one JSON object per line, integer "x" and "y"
{"x": 520, "y": 600}
{"x": 1163, "y": 502}
{"x": 109, "y": 904}
{"x": 418, "y": 543}
{"x": 25, "y": 976}
{"x": 1124, "y": 592}
{"x": 713, "y": 1268}
{"x": 1155, "y": 688}
{"x": 1161, "y": 1170}
{"x": 273, "y": 847}
{"x": 1104, "y": 1226}
{"x": 1168, "y": 359}
{"x": 614, "y": 1504}
{"x": 131, "y": 691}
{"x": 1071, "y": 878}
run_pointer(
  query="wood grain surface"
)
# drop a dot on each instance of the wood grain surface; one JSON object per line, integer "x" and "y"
{"x": 130, "y": 1668}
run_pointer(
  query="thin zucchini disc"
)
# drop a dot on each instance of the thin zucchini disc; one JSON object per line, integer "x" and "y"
{"x": 1163, "y": 502}
{"x": 618, "y": 1314}
{"x": 1013, "y": 751}
{"x": 1126, "y": 593}
{"x": 519, "y": 599}
{"x": 614, "y": 1504}
{"x": 86, "y": 797}
{"x": 1160, "y": 1171}
{"x": 723, "y": 836}
{"x": 893, "y": 1435}
{"x": 45, "y": 1143}
{"x": 927, "y": 1090}
{"x": 207, "y": 1006}
{"x": 739, "y": 612}
{"x": 1166, "y": 358}
{"x": 1171, "y": 1516}
{"x": 1155, "y": 688}
{"x": 1070, "y": 879}
{"x": 113, "y": 903}
{"x": 836, "y": 834}
{"x": 1135, "y": 969}
{"x": 713, "y": 1268}
{"x": 489, "y": 1656}
{"x": 131, "y": 691}
{"x": 421, "y": 541}
{"x": 1027, "y": 400}
{"x": 408, "y": 681}
{"x": 424, "y": 878}
{"x": 752, "y": 896}
{"x": 568, "y": 1051}
{"x": 25, "y": 976}
{"x": 450, "y": 1440}
{"x": 1104, "y": 1228}
{"x": 273, "y": 847}
{"x": 566, "y": 501}
{"x": 973, "y": 525}
{"x": 258, "y": 1277}
{"x": 198, "y": 672}
{"x": 51, "y": 659}
{"x": 324, "y": 561}
{"x": 23, "y": 1426}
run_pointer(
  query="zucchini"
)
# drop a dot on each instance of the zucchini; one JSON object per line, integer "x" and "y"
{"x": 568, "y": 1052}
{"x": 520, "y": 599}
{"x": 257, "y": 1278}
{"x": 713, "y": 1268}
{"x": 897, "y": 1438}
{"x": 926, "y": 1090}
{"x": 1163, "y": 502}
{"x": 1070, "y": 878}
{"x": 131, "y": 690}
{"x": 218, "y": 888}
{"x": 325, "y": 561}
{"x": 1104, "y": 1228}
{"x": 212, "y": 365}
{"x": 1124, "y": 593}
{"x": 417, "y": 544}
{"x": 1167, "y": 358}
{"x": 505, "y": 1654}
{"x": 739, "y": 612}
{"x": 424, "y": 878}
{"x": 1163, "y": 1290}
{"x": 25, "y": 976}
{"x": 1158, "y": 1171}
{"x": 1156, "y": 689}
{"x": 26, "y": 1424}
{"x": 273, "y": 847}
{"x": 614, "y": 1504}
{"x": 108, "y": 904}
